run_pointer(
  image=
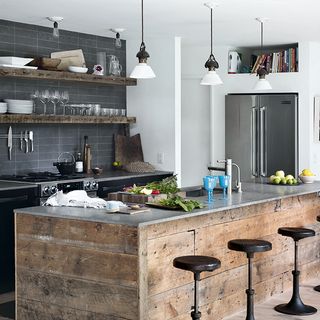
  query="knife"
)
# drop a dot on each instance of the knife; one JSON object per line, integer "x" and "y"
{"x": 21, "y": 140}
{"x": 31, "y": 140}
{"x": 10, "y": 141}
{"x": 26, "y": 140}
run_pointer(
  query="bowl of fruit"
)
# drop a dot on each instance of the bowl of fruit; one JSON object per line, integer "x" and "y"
{"x": 307, "y": 176}
{"x": 280, "y": 178}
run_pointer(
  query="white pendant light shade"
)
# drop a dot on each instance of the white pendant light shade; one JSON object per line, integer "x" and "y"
{"x": 211, "y": 78}
{"x": 262, "y": 84}
{"x": 142, "y": 71}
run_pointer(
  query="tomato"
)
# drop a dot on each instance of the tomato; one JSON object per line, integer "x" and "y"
{"x": 155, "y": 191}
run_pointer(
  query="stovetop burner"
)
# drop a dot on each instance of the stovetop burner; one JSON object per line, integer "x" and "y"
{"x": 41, "y": 177}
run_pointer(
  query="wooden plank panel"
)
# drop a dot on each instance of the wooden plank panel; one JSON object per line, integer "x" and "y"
{"x": 78, "y": 294}
{"x": 99, "y": 236}
{"x": 44, "y": 310}
{"x": 161, "y": 253}
{"x": 78, "y": 262}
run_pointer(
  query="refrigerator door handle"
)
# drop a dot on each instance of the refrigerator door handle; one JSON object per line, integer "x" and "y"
{"x": 254, "y": 170}
{"x": 262, "y": 142}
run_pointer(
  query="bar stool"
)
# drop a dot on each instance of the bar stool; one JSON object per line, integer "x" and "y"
{"x": 196, "y": 264}
{"x": 295, "y": 306}
{"x": 250, "y": 246}
{"x": 317, "y": 288}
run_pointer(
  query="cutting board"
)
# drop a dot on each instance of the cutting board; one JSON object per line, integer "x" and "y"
{"x": 128, "y": 197}
{"x": 125, "y": 210}
{"x": 69, "y": 58}
{"x": 128, "y": 149}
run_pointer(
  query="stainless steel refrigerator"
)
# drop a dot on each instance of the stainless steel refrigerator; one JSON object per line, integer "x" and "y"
{"x": 262, "y": 133}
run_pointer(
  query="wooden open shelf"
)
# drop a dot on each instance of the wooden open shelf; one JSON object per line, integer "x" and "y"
{"x": 66, "y": 76}
{"x": 34, "y": 118}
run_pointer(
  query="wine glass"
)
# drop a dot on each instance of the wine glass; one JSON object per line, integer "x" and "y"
{"x": 54, "y": 98}
{"x": 44, "y": 98}
{"x": 34, "y": 96}
{"x": 64, "y": 99}
{"x": 224, "y": 183}
{"x": 209, "y": 183}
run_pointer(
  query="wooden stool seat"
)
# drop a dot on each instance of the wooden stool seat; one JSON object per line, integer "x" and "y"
{"x": 249, "y": 245}
{"x": 196, "y": 263}
{"x": 296, "y": 233}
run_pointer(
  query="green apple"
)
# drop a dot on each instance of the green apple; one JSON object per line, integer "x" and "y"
{"x": 271, "y": 178}
{"x": 280, "y": 173}
{"x": 276, "y": 180}
{"x": 290, "y": 181}
{"x": 289, "y": 177}
{"x": 283, "y": 181}
{"x": 295, "y": 181}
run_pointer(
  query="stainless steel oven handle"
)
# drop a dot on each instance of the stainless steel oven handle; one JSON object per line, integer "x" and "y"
{"x": 262, "y": 142}
{"x": 254, "y": 170}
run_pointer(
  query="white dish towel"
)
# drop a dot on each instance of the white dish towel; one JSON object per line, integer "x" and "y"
{"x": 79, "y": 198}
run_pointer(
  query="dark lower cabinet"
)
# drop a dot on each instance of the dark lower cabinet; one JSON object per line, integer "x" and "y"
{"x": 10, "y": 200}
{"x": 106, "y": 187}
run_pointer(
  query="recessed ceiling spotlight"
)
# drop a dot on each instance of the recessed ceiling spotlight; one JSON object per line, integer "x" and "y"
{"x": 55, "y": 21}
{"x": 117, "y": 31}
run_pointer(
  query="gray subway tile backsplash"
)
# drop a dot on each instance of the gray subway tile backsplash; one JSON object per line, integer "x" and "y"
{"x": 50, "y": 140}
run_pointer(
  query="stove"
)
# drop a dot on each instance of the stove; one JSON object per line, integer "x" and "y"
{"x": 51, "y": 182}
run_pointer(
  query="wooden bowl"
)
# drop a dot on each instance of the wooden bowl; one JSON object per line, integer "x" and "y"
{"x": 45, "y": 63}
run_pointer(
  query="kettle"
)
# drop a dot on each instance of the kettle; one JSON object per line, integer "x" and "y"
{"x": 114, "y": 67}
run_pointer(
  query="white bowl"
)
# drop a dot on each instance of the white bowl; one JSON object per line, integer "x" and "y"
{"x": 77, "y": 69}
{"x": 15, "y": 61}
{"x": 307, "y": 179}
{"x": 19, "y": 102}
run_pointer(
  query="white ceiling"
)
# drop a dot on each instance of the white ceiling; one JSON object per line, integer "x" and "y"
{"x": 289, "y": 20}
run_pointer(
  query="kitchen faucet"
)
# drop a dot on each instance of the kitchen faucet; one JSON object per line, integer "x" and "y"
{"x": 228, "y": 172}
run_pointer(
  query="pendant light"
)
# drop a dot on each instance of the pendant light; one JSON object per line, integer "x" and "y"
{"x": 262, "y": 83}
{"x": 211, "y": 78}
{"x": 117, "y": 41}
{"x": 142, "y": 70}
{"x": 55, "y": 30}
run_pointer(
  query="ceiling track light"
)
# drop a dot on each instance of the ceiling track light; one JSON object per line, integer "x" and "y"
{"x": 262, "y": 83}
{"x": 142, "y": 70}
{"x": 55, "y": 20}
{"x": 117, "y": 41}
{"x": 211, "y": 78}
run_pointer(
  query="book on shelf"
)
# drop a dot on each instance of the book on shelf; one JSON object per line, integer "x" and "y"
{"x": 282, "y": 61}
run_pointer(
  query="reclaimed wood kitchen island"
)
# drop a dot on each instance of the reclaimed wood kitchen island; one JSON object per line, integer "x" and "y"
{"x": 74, "y": 263}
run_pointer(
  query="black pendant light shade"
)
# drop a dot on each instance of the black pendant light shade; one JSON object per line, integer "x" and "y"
{"x": 211, "y": 78}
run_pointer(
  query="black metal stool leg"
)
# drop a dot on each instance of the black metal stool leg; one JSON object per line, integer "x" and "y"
{"x": 295, "y": 306}
{"x": 196, "y": 314}
{"x": 250, "y": 291}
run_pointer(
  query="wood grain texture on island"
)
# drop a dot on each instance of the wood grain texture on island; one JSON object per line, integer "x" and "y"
{"x": 70, "y": 269}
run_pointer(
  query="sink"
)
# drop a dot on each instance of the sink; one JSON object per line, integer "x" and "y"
{"x": 199, "y": 191}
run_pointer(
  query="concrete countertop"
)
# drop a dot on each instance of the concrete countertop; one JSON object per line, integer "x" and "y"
{"x": 253, "y": 193}
{"x": 12, "y": 185}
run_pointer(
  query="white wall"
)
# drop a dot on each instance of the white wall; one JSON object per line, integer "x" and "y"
{"x": 154, "y": 102}
{"x": 195, "y": 117}
{"x": 314, "y": 91}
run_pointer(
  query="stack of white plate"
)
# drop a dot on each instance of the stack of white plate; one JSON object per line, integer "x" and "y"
{"x": 19, "y": 106}
{"x": 3, "y": 107}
